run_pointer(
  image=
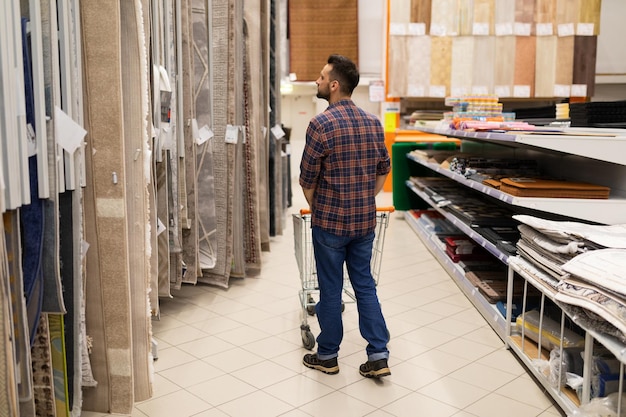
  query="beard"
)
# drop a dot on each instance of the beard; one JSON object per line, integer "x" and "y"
{"x": 323, "y": 94}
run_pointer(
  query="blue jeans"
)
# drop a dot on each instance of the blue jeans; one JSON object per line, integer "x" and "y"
{"x": 331, "y": 251}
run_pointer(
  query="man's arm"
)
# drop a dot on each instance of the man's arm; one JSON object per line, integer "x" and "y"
{"x": 308, "y": 194}
{"x": 380, "y": 182}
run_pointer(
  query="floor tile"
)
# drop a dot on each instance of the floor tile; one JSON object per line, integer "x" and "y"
{"x": 258, "y": 404}
{"x": 191, "y": 373}
{"x": 221, "y": 389}
{"x": 337, "y": 405}
{"x": 417, "y": 404}
{"x": 453, "y": 392}
{"x": 298, "y": 391}
{"x": 180, "y": 404}
{"x": 263, "y": 374}
{"x": 376, "y": 392}
{"x": 493, "y": 404}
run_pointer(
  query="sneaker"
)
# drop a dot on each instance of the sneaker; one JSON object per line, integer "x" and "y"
{"x": 375, "y": 369}
{"x": 328, "y": 366}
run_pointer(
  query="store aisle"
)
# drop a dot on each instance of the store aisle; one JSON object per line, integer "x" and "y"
{"x": 238, "y": 352}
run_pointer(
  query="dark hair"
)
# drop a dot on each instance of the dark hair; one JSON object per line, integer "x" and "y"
{"x": 344, "y": 71}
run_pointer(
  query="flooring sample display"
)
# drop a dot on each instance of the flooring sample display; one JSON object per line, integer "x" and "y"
{"x": 444, "y": 18}
{"x": 485, "y": 64}
{"x": 441, "y": 64}
{"x": 461, "y": 76}
{"x": 314, "y": 35}
{"x": 524, "y": 75}
{"x": 397, "y": 54}
{"x": 418, "y": 66}
{"x": 545, "y": 66}
{"x": 585, "y": 51}
{"x": 504, "y": 71}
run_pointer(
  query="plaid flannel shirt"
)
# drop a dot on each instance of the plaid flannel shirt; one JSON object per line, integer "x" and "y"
{"x": 344, "y": 153}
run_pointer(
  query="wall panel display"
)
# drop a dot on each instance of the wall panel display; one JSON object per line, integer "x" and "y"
{"x": 510, "y": 48}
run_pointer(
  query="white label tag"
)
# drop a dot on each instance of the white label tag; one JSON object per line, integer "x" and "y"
{"x": 561, "y": 90}
{"x": 480, "y": 89}
{"x": 397, "y": 29}
{"x": 585, "y": 29}
{"x": 504, "y": 29}
{"x": 204, "y": 134}
{"x": 232, "y": 134}
{"x": 579, "y": 90}
{"x": 415, "y": 90}
{"x": 437, "y": 91}
{"x": 480, "y": 29}
{"x": 417, "y": 29}
{"x": 521, "y": 29}
{"x": 544, "y": 29}
{"x": 459, "y": 91}
{"x": 278, "y": 132}
{"x": 565, "y": 29}
{"x": 521, "y": 91}
{"x": 502, "y": 90}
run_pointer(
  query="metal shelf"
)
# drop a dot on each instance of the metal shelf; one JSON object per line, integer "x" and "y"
{"x": 476, "y": 237}
{"x": 610, "y": 211}
{"x": 488, "y": 310}
{"x": 602, "y": 144}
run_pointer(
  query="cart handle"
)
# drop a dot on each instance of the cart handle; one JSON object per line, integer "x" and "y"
{"x": 389, "y": 209}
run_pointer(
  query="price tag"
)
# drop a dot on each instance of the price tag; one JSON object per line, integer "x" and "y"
{"x": 204, "y": 134}
{"x": 504, "y": 29}
{"x": 415, "y": 90}
{"x": 480, "y": 29}
{"x": 521, "y": 29}
{"x": 278, "y": 132}
{"x": 232, "y": 134}
{"x": 397, "y": 29}
{"x": 459, "y": 91}
{"x": 521, "y": 91}
{"x": 561, "y": 90}
{"x": 544, "y": 29}
{"x": 565, "y": 29}
{"x": 579, "y": 90}
{"x": 585, "y": 29}
{"x": 480, "y": 89}
{"x": 417, "y": 29}
{"x": 502, "y": 90}
{"x": 437, "y": 91}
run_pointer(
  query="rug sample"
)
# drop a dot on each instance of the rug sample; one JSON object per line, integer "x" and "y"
{"x": 108, "y": 289}
{"x": 224, "y": 108}
{"x": 43, "y": 375}
{"x": 18, "y": 318}
{"x": 188, "y": 194}
{"x": 134, "y": 65}
{"x": 8, "y": 359}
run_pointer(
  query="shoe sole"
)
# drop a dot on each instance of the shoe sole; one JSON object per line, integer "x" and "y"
{"x": 376, "y": 374}
{"x": 330, "y": 371}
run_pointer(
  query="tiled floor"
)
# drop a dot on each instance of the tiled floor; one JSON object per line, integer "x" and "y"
{"x": 238, "y": 352}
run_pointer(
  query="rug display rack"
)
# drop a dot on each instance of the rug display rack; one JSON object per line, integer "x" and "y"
{"x": 143, "y": 165}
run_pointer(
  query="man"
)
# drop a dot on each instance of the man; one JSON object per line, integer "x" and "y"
{"x": 344, "y": 165}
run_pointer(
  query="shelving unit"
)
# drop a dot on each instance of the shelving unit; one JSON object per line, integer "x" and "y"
{"x": 598, "y": 149}
{"x": 489, "y": 312}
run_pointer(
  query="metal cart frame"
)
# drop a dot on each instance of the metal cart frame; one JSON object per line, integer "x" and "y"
{"x": 303, "y": 245}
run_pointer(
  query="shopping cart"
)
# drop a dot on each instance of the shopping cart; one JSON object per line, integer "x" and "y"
{"x": 303, "y": 244}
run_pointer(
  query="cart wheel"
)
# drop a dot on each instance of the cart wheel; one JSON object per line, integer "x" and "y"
{"x": 308, "y": 340}
{"x": 310, "y": 310}
{"x": 343, "y": 306}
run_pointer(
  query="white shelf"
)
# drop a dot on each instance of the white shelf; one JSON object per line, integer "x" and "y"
{"x": 476, "y": 237}
{"x": 609, "y": 211}
{"x": 488, "y": 310}
{"x": 602, "y": 144}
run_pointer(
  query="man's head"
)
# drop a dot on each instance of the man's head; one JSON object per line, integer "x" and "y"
{"x": 338, "y": 79}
